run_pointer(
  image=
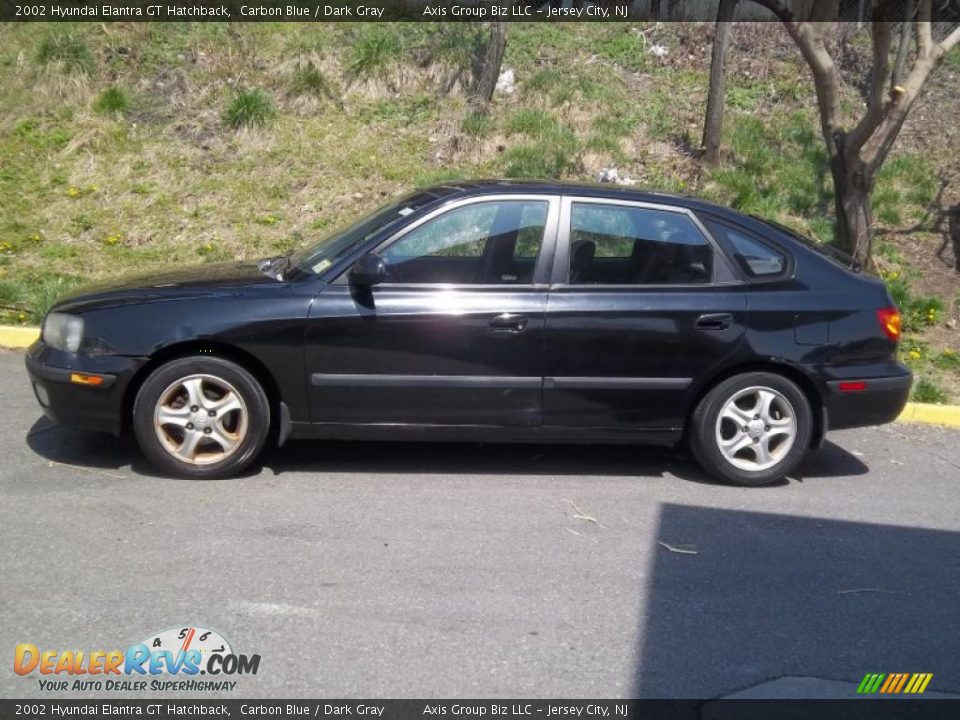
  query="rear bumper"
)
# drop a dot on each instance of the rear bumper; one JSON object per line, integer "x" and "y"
{"x": 861, "y": 401}
{"x": 96, "y": 408}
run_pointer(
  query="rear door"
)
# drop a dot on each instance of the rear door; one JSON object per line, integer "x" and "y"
{"x": 642, "y": 307}
{"x": 455, "y": 334}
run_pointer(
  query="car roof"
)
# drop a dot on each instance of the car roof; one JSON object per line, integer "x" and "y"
{"x": 460, "y": 188}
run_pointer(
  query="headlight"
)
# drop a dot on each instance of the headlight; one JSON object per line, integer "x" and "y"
{"x": 63, "y": 332}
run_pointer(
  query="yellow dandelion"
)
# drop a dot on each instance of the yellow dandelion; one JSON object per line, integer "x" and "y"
{"x": 73, "y": 192}
{"x": 915, "y": 354}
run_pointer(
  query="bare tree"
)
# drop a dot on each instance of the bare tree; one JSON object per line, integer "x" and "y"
{"x": 716, "y": 96}
{"x": 487, "y": 68}
{"x": 857, "y": 151}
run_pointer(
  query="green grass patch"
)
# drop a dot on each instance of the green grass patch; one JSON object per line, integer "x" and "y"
{"x": 67, "y": 51}
{"x": 112, "y": 100}
{"x": 927, "y": 390}
{"x": 623, "y": 45}
{"x": 476, "y": 124}
{"x": 310, "y": 80}
{"x": 27, "y": 300}
{"x": 249, "y": 108}
{"x": 376, "y": 49}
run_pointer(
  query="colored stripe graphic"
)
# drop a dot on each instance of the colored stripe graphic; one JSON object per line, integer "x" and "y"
{"x": 894, "y": 683}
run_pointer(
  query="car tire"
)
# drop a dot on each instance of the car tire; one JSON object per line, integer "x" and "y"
{"x": 201, "y": 418}
{"x": 751, "y": 429}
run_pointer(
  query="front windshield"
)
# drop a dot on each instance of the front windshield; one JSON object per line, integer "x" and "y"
{"x": 322, "y": 255}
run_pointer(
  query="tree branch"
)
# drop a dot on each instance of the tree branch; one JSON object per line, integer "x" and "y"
{"x": 949, "y": 42}
{"x": 881, "y": 39}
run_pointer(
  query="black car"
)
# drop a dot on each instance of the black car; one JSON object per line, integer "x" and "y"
{"x": 491, "y": 311}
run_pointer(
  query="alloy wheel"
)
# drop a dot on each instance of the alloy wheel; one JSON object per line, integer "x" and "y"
{"x": 756, "y": 428}
{"x": 201, "y": 419}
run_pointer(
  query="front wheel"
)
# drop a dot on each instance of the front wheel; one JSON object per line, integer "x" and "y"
{"x": 751, "y": 429}
{"x": 201, "y": 417}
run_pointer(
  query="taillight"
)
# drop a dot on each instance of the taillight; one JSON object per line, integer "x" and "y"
{"x": 890, "y": 322}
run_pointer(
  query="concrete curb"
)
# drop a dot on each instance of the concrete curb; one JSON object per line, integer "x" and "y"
{"x": 12, "y": 336}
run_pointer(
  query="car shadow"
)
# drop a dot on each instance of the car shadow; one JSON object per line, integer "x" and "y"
{"x": 794, "y": 606}
{"x": 106, "y": 452}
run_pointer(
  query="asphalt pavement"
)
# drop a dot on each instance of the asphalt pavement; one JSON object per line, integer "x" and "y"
{"x": 467, "y": 570}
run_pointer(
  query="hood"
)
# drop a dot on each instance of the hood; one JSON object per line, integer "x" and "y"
{"x": 192, "y": 281}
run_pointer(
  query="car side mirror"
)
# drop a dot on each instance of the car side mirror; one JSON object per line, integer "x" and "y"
{"x": 369, "y": 270}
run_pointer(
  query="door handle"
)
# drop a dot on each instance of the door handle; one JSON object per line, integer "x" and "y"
{"x": 507, "y": 324}
{"x": 714, "y": 321}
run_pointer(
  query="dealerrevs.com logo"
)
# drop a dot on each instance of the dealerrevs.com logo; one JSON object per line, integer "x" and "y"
{"x": 183, "y": 653}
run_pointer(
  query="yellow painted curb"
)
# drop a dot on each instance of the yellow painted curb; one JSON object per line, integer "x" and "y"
{"x": 12, "y": 336}
{"x": 931, "y": 414}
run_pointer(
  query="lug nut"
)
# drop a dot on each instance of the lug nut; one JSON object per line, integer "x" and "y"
{"x": 193, "y": 408}
{"x": 212, "y": 413}
{"x": 189, "y": 426}
{"x": 206, "y": 430}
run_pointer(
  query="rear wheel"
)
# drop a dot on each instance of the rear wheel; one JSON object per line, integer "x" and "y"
{"x": 201, "y": 417}
{"x": 752, "y": 429}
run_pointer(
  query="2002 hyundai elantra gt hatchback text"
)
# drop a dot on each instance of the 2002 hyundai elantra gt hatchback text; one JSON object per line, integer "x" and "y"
{"x": 491, "y": 311}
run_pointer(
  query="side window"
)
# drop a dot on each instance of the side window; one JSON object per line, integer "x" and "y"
{"x": 621, "y": 245}
{"x": 481, "y": 243}
{"x": 754, "y": 257}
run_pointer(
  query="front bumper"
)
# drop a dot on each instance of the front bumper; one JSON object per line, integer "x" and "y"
{"x": 97, "y": 408}
{"x": 859, "y": 400}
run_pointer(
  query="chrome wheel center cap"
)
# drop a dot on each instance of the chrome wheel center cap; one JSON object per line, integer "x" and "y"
{"x": 755, "y": 429}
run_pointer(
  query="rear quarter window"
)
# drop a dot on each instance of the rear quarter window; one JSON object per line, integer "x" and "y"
{"x": 755, "y": 258}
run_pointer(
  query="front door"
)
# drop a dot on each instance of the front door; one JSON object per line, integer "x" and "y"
{"x": 454, "y": 336}
{"x": 643, "y": 306}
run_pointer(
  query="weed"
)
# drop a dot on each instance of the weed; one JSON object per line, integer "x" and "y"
{"x": 476, "y": 124}
{"x": 947, "y": 360}
{"x": 926, "y": 390}
{"x": 624, "y": 46}
{"x": 376, "y": 49}
{"x": 248, "y": 108}
{"x": 68, "y": 51}
{"x": 112, "y": 100}
{"x": 310, "y": 80}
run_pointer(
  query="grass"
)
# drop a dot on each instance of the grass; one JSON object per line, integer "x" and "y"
{"x": 308, "y": 79}
{"x": 377, "y": 49}
{"x": 112, "y": 100}
{"x": 249, "y": 108}
{"x": 68, "y": 52}
{"x": 477, "y": 124}
{"x": 926, "y": 390}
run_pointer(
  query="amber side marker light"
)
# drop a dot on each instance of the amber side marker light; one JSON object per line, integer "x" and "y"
{"x": 85, "y": 379}
{"x": 890, "y": 322}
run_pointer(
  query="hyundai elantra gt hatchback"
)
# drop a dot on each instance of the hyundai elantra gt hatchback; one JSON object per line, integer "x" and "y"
{"x": 490, "y": 311}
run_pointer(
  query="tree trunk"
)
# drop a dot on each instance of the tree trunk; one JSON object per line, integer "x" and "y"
{"x": 853, "y": 183}
{"x": 489, "y": 71}
{"x": 716, "y": 97}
